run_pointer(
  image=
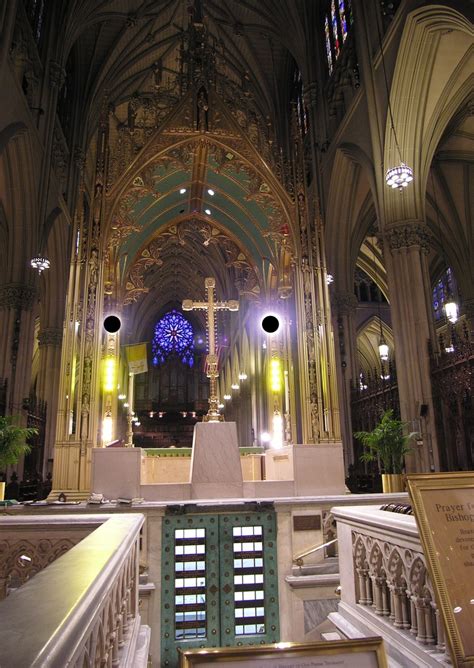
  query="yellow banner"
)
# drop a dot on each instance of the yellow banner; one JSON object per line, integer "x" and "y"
{"x": 137, "y": 358}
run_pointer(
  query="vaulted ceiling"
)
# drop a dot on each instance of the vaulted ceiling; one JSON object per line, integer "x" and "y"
{"x": 114, "y": 45}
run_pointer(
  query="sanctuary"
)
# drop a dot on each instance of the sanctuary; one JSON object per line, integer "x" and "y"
{"x": 233, "y": 236}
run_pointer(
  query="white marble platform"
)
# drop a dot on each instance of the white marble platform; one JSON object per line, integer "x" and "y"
{"x": 215, "y": 462}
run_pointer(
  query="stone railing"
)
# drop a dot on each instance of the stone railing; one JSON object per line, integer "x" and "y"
{"x": 83, "y": 609}
{"x": 385, "y": 585}
{"x": 28, "y": 546}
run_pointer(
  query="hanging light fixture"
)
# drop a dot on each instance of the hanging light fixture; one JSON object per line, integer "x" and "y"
{"x": 40, "y": 263}
{"x": 383, "y": 346}
{"x": 398, "y": 176}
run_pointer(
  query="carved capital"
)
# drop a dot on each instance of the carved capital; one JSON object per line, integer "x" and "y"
{"x": 51, "y": 336}
{"x": 57, "y": 74}
{"x": 345, "y": 302}
{"x": 17, "y": 296}
{"x": 408, "y": 236}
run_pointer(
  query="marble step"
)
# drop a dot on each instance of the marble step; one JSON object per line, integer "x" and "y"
{"x": 328, "y": 566}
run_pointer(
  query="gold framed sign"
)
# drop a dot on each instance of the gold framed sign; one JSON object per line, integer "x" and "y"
{"x": 360, "y": 653}
{"x": 443, "y": 504}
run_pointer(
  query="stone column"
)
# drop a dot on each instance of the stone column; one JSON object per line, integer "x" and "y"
{"x": 406, "y": 246}
{"x": 345, "y": 304}
{"x": 16, "y": 334}
{"x": 319, "y": 399}
{"x": 82, "y": 344}
{"x": 47, "y": 388}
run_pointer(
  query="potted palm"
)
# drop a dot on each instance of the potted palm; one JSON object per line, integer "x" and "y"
{"x": 13, "y": 444}
{"x": 388, "y": 443}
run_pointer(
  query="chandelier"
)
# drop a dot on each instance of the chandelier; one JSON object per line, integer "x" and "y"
{"x": 399, "y": 177}
{"x": 40, "y": 263}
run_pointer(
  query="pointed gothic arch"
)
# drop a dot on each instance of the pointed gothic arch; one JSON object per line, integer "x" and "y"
{"x": 442, "y": 84}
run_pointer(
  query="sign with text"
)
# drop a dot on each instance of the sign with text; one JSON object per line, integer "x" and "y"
{"x": 360, "y": 653}
{"x": 444, "y": 509}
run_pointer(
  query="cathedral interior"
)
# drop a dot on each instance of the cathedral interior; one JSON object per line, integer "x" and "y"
{"x": 313, "y": 157}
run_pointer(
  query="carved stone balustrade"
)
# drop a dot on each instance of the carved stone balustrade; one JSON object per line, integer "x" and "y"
{"x": 27, "y": 546}
{"x": 82, "y": 610}
{"x": 385, "y": 586}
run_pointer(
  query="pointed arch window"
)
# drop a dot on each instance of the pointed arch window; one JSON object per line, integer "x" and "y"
{"x": 337, "y": 21}
{"x": 298, "y": 98}
{"x": 35, "y": 10}
{"x": 173, "y": 335}
{"x": 444, "y": 288}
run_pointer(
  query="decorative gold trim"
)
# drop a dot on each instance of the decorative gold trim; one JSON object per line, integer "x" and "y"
{"x": 443, "y": 482}
{"x": 284, "y": 650}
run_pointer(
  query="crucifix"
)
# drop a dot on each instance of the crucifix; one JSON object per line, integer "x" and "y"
{"x": 211, "y": 306}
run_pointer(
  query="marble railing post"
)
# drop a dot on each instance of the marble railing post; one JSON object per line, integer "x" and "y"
{"x": 429, "y": 634}
{"x": 386, "y": 607}
{"x": 377, "y": 585}
{"x": 405, "y": 614}
{"x": 441, "y": 642}
{"x": 363, "y": 580}
{"x": 396, "y": 615}
{"x": 413, "y": 617}
{"x": 420, "y": 619}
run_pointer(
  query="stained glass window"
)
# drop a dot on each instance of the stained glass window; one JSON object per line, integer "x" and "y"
{"x": 444, "y": 287}
{"x": 342, "y": 19}
{"x": 335, "y": 34}
{"x": 328, "y": 43}
{"x": 336, "y": 27}
{"x": 301, "y": 111}
{"x": 173, "y": 336}
{"x": 35, "y": 13}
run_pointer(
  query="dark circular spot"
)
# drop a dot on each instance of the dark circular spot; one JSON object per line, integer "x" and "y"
{"x": 112, "y": 324}
{"x": 270, "y": 324}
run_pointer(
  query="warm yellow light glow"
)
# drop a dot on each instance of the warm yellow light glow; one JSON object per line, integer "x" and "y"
{"x": 107, "y": 429}
{"x": 109, "y": 374}
{"x": 275, "y": 375}
{"x": 277, "y": 435}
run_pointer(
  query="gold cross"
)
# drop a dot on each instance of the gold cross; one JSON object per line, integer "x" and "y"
{"x": 211, "y": 306}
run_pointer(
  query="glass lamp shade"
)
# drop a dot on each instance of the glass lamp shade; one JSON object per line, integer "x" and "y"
{"x": 399, "y": 177}
{"x": 451, "y": 310}
{"x": 40, "y": 263}
{"x": 383, "y": 350}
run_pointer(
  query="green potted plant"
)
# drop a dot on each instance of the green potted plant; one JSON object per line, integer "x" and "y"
{"x": 388, "y": 443}
{"x": 12, "y": 444}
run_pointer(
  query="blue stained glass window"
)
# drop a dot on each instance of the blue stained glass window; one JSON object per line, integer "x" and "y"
{"x": 342, "y": 16}
{"x": 328, "y": 44}
{"x": 334, "y": 28}
{"x": 173, "y": 335}
{"x": 444, "y": 287}
{"x": 337, "y": 22}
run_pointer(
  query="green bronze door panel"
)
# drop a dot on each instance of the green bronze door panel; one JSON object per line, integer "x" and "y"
{"x": 190, "y": 585}
{"x": 249, "y": 579}
{"x": 219, "y": 582}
